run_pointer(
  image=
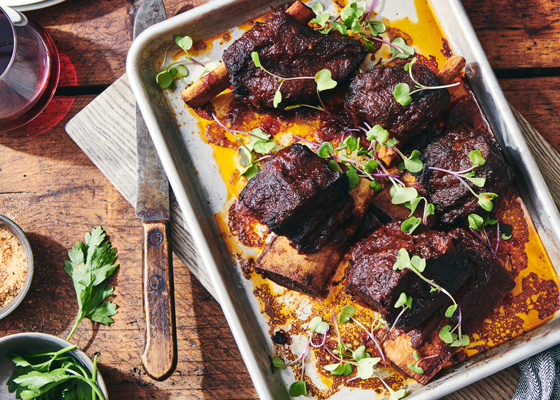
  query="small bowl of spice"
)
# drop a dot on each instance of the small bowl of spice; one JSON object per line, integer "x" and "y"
{"x": 16, "y": 266}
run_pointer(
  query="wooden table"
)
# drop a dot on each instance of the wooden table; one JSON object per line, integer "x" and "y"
{"x": 54, "y": 192}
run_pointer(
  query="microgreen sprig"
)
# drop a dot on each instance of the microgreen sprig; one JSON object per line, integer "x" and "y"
{"x": 402, "y": 91}
{"x": 405, "y": 302}
{"x": 484, "y": 199}
{"x": 417, "y": 265}
{"x": 170, "y": 73}
{"x": 478, "y": 224}
{"x": 323, "y": 79}
{"x": 414, "y": 367}
{"x": 260, "y": 143}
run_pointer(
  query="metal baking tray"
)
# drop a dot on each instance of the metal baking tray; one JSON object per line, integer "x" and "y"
{"x": 201, "y": 193}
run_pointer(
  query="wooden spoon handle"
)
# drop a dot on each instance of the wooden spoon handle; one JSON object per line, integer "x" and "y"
{"x": 160, "y": 353}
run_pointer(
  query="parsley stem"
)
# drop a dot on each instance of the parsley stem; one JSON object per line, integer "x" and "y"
{"x": 89, "y": 382}
{"x": 78, "y": 320}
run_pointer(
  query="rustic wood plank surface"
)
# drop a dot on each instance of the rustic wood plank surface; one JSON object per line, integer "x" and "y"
{"x": 56, "y": 194}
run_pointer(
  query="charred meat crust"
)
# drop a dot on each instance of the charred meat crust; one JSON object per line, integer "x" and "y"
{"x": 370, "y": 99}
{"x": 451, "y": 199}
{"x": 288, "y": 49}
{"x": 480, "y": 294}
{"x": 372, "y": 280}
{"x": 296, "y": 195}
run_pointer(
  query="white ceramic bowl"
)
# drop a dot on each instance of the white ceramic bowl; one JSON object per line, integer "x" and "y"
{"x": 22, "y": 239}
{"x": 22, "y": 343}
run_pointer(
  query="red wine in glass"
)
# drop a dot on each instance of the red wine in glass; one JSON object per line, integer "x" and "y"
{"x": 29, "y": 70}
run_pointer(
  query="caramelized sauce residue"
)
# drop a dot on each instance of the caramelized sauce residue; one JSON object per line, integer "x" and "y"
{"x": 533, "y": 302}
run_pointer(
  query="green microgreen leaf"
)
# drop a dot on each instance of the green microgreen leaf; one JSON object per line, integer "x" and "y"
{"x": 278, "y": 363}
{"x": 341, "y": 28}
{"x": 391, "y": 142}
{"x": 314, "y": 323}
{"x": 250, "y": 171}
{"x": 336, "y": 369}
{"x": 377, "y": 133}
{"x": 353, "y": 178}
{"x": 184, "y": 42}
{"x": 298, "y": 389}
{"x": 376, "y": 186}
{"x": 264, "y": 146}
{"x": 450, "y": 310}
{"x": 352, "y": 143}
{"x": 413, "y": 163}
{"x": 398, "y": 395}
{"x": 507, "y": 231}
{"x": 346, "y": 313}
{"x": 351, "y": 13}
{"x": 324, "y": 80}
{"x": 480, "y": 182}
{"x": 475, "y": 221}
{"x": 403, "y": 194}
{"x": 430, "y": 209}
{"x": 403, "y": 300}
{"x": 371, "y": 165}
{"x": 409, "y": 65}
{"x": 408, "y": 51}
{"x": 333, "y": 166}
{"x": 476, "y": 157}
{"x": 259, "y": 133}
{"x": 465, "y": 341}
{"x": 413, "y": 204}
{"x": 418, "y": 263}
{"x": 348, "y": 369}
{"x": 317, "y": 8}
{"x": 321, "y": 19}
{"x": 164, "y": 79}
{"x": 182, "y": 71}
{"x": 365, "y": 367}
{"x": 376, "y": 27}
{"x": 402, "y": 94}
{"x": 359, "y": 353}
{"x": 325, "y": 149}
{"x": 415, "y": 355}
{"x": 446, "y": 335}
{"x": 277, "y": 98}
{"x": 485, "y": 200}
{"x": 415, "y": 368}
{"x": 410, "y": 225}
{"x": 256, "y": 59}
{"x": 403, "y": 260}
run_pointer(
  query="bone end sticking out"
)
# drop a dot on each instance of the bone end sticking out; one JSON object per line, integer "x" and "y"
{"x": 214, "y": 83}
{"x": 451, "y": 69}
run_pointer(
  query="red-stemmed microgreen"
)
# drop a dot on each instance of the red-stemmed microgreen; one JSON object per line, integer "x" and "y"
{"x": 484, "y": 199}
{"x": 399, "y": 49}
{"x": 415, "y": 367}
{"x": 260, "y": 143}
{"x": 478, "y": 224}
{"x": 347, "y": 314}
{"x": 170, "y": 73}
{"x": 417, "y": 265}
{"x": 402, "y": 91}
{"x": 405, "y": 302}
{"x": 323, "y": 79}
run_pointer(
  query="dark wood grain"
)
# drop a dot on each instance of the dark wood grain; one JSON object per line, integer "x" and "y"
{"x": 160, "y": 351}
{"x": 55, "y": 193}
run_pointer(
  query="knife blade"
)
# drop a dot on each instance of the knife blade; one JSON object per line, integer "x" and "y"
{"x": 152, "y": 207}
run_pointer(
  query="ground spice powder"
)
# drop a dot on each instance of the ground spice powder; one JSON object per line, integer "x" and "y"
{"x": 13, "y": 267}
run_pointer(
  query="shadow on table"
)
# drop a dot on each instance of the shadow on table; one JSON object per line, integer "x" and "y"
{"x": 50, "y": 305}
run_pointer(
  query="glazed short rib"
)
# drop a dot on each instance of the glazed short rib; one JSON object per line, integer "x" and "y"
{"x": 452, "y": 200}
{"x": 288, "y": 49}
{"x": 296, "y": 195}
{"x": 372, "y": 280}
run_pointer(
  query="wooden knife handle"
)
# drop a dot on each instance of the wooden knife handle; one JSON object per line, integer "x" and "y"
{"x": 160, "y": 353}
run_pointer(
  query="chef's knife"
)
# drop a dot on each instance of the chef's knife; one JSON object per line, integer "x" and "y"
{"x": 152, "y": 206}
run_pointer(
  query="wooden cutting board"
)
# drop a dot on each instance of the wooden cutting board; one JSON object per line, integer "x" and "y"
{"x": 106, "y": 131}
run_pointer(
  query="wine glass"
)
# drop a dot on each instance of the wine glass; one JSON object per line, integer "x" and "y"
{"x": 29, "y": 69}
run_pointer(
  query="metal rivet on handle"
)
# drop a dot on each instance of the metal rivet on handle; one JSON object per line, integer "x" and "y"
{"x": 155, "y": 282}
{"x": 155, "y": 238}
